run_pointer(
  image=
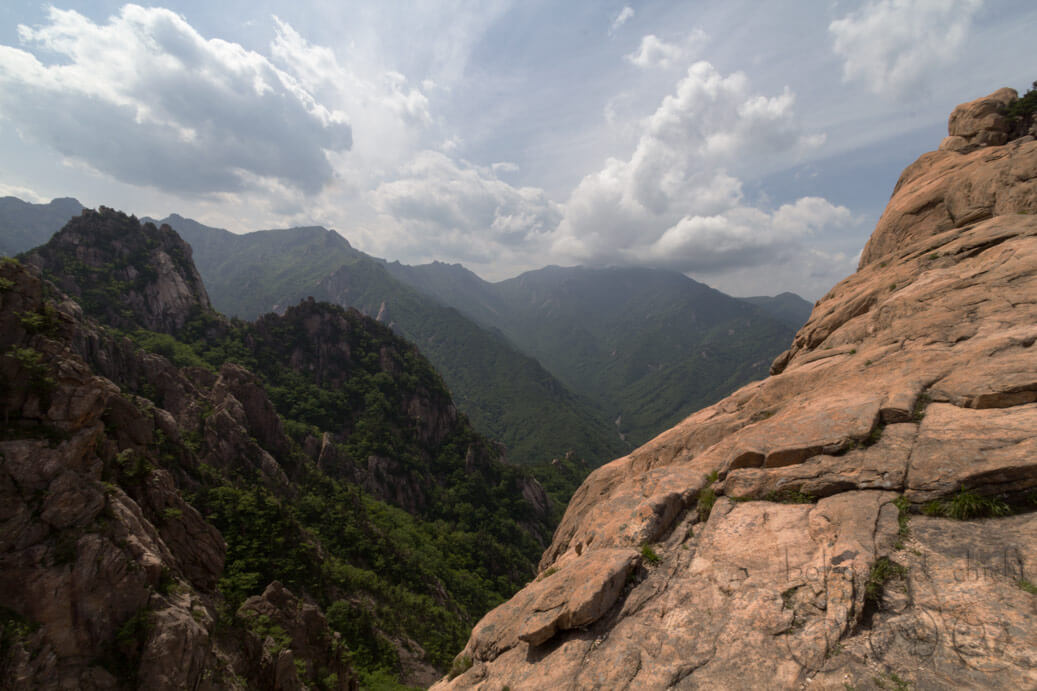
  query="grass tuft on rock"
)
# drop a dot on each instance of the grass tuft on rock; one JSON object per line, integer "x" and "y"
{"x": 966, "y": 505}
{"x": 882, "y": 571}
{"x": 789, "y": 496}
{"x": 903, "y": 505}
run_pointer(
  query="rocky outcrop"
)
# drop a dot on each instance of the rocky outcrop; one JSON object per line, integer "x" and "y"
{"x": 81, "y": 559}
{"x": 982, "y": 122}
{"x": 124, "y": 273}
{"x": 804, "y": 532}
{"x": 108, "y": 577}
{"x": 294, "y": 642}
{"x": 325, "y": 338}
{"x": 969, "y": 179}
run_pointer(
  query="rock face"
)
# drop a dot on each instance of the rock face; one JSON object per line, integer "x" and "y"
{"x": 293, "y": 634}
{"x": 108, "y": 577}
{"x": 124, "y": 273}
{"x": 969, "y": 179}
{"x": 777, "y": 538}
{"x": 149, "y": 486}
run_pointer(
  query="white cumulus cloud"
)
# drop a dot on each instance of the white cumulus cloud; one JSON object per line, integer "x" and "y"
{"x": 455, "y": 209}
{"x": 678, "y": 200}
{"x": 387, "y": 113}
{"x": 895, "y": 46}
{"x": 148, "y": 100}
{"x": 742, "y": 236}
{"x": 657, "y": 53}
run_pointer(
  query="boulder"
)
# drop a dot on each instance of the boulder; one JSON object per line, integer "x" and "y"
{"x": 290, "y": 631}
{"x": 983, "y": 121}
{"x": 569, "y": 597}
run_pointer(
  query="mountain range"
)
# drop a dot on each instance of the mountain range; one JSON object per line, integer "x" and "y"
{"x": 305, "y": 476}
{"x": 651, "y": 345}
{"x": 559, "y": 360}
{"x": 24, "y": 225}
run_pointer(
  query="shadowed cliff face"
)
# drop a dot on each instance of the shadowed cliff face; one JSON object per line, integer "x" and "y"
{"x": 123, "y": 273}
{"x": 181, "y": 514}
{"x": 867, "y": 515}
{"x": 108, "y": 577}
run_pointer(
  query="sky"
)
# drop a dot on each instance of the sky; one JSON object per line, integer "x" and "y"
{"x": 749, "y": 145}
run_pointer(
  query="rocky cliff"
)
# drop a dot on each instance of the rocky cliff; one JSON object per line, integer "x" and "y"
{"x": 108, "y": 577}
{"x": 866, "y": 517}
{"x": 281, "y": 505}
{"x": 124, "y": 273}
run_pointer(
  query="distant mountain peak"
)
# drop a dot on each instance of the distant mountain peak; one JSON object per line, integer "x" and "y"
{"x": 24, "y": 225}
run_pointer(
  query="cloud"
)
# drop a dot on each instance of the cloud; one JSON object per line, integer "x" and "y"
{"x": 504, "y": 167}
{"x": 895, "y": 46}
{"x": 657, "y": 53}
{"x": 149, "y": 101}
{"x": 320, "y": 73}
{"x": 808, "y": 271}
{"x": 24, "y": 193}
{"x": 678, "y": 200}
{"x": 622, "y": 18}
{"x": 386, "y": 112}
{"x": 454, "y": 209}
{"x": 742, "y": 236}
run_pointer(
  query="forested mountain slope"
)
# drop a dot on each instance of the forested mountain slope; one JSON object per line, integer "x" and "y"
{"x": 506, "y": 393}
{"x": 649, "y": 345}
{"x": 225, "y": 503}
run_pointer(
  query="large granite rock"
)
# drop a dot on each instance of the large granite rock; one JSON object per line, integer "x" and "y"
{"x": 776, "y": 539}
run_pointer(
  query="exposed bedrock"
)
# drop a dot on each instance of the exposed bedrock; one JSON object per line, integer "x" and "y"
{"x": 804, "y": 532}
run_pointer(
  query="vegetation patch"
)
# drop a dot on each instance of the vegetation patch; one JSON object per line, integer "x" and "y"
{"x": 892, "y": 681}
{"x": 35, "y": 366}
{"x": 123, "y": 658}
{"x": 921, "y": 403}
{"x": 903, "y": 505}
{"x": 966, "y": 505}
{"x": 42, "y": 321}
{"x": 1022, "y": 110}
{"x": 875, "y": 435}
{"x": 264, "y": 627}
{"x": 14, "y": 629}
{"x": 789, "y": 496}
{"x": 882, "y": 571}
{"x": 461, "y": 664}
{"x": 649, "y": 555}
{"x": 707, "y": 497}
{"x": 180, "y": 354}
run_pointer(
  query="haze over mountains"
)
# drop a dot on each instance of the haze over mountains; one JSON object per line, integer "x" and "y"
{"x": 25, "y": 225}
{"x": 593, "y": 361}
